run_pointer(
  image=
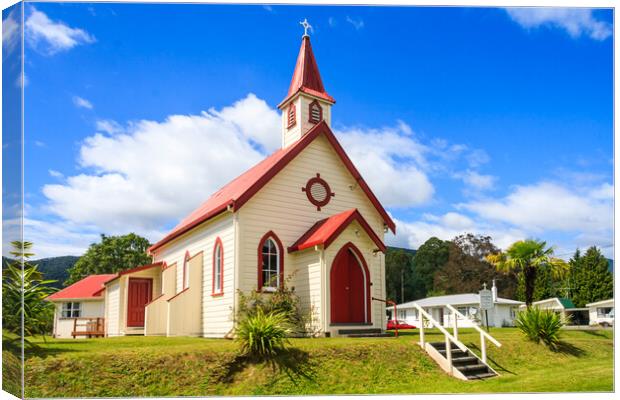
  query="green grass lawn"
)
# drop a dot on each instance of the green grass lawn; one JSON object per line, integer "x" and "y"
{"x": 153, "y": 366}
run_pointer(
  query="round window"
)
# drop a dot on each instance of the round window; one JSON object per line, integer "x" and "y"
{"x": 318, "y": 192}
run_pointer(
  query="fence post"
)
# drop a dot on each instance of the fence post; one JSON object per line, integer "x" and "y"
{"x": 421, "y": 328}
{"x": 455, "y": 328}
{"x": 449, "y": 353}
{"x": 483, "y": 348}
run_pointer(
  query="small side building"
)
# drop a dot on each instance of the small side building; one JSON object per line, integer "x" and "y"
{"x": 79, "y": 307}
{"x": 601, "y": 312}
{"x": 503, "y": 313}
{"x": 565, "y": 307}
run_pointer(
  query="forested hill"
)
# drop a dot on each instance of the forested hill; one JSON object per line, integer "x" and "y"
{"x": 54, "y": 268}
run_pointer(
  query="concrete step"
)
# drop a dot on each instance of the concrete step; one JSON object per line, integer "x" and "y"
{"x": 481, "y": 376}
{"x": 472, "y": 369}
{"x": 465, "y": 360}
{"x": 455, "y": 353}
{"x": 369, "y": 335}
{"x": 359, "y": 331}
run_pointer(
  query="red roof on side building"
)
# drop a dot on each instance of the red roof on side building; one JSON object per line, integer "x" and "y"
{"x": 325, "y": 231}
{"x": 89, "y": 287}
{"x": 306, "y": 77}
{"x": 241, "y": 189}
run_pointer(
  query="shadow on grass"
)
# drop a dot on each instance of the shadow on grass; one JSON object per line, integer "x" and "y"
{"x": 568, "y": 348}
{"x": 594, "y": 333}
{"x": 497, "y": 366}
{"x": 294, "y": 363}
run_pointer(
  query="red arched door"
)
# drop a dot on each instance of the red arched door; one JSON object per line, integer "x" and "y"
{"x": 349, "y": 294}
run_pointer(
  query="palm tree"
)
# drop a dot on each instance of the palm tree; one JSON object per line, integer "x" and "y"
{"x": 526, "y": 257}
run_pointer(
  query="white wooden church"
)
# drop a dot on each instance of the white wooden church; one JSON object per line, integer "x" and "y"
{"x": 305, "y": 212}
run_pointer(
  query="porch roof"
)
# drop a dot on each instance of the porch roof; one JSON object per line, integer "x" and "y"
{"x": 326, "y": 230}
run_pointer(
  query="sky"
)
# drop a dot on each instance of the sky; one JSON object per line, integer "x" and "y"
{"x": 486, "y": 120}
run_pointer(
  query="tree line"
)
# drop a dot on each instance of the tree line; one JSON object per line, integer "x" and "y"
{"x": 463, "y": 264}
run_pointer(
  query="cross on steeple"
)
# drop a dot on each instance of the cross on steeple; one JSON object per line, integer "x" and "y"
{"x": 306, "y": 26}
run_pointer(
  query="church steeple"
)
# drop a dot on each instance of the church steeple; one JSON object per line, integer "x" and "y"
{"x": 307, "y": 103}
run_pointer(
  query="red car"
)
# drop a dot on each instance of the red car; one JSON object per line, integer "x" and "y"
{"x": 400, "y": 324}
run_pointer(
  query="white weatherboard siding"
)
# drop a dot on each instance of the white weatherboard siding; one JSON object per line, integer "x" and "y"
{"x": 89, "y": 309}
{"x": 306, "y": 268}
{"x": 283, "y": 207}
{"x": 112, "y": 307}
{"x": 601, "y": 312}
{"x": 185, "y": 309}
{"x": 156, "y": 313}
{"x": 216, "y": 310}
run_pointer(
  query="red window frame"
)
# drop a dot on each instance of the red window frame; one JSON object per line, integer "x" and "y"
{"x": 310, "y": 119}
{"x": 276, "y": 239}
{"x": 328, "y": 191}
{"x": 214, "y": 292}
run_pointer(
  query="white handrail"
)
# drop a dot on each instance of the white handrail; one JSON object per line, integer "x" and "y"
{"x": 482, "y": 331}
{"x": 441, "y": 328}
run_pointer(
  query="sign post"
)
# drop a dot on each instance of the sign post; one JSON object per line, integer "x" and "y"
{"x": 486, "y": 302}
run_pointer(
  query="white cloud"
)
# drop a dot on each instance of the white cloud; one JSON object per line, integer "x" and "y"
{"x": 575, "y": 21}
{"x": 332, "y": 21}
{"x": 550, "y": 206}
{"x": 55, "y": 174}
{"x": 156, "y": 172}
{"x": 357, "y": 23}
{"x": 387, "y": 156}
{"x": 108, "y": 126}
{"x": 82, "y": 103}
{"x": 58, "y": 238}
{"x": 256, "y": 119}
{"x": 51, "y": 37}
{"x": 39, "y": 143}
{"x": 476, "y": 181}
{"x": 10, "y": 31}
{"x": 413, "y": 234}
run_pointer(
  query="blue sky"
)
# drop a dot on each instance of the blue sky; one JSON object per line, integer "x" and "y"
{"x": 486, "y": 120}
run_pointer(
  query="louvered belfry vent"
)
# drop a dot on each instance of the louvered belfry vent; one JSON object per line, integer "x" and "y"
{"x": 316, "y": 112}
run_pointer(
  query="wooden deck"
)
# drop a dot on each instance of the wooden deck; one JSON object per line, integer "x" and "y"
{"x": 89, "y": 327}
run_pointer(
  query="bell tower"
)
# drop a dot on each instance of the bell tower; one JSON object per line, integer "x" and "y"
{"x": 307, "y": 103}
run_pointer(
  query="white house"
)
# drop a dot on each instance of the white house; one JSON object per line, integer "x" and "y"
{"x": 79, "y": 308}
{"x": 565, "y": 307}
{"x": 601, "y": 312}
{"x": 503, "y": 313}
{"x": 304, "y": 211}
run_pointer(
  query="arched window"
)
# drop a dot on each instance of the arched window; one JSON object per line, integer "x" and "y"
{"x": 186, "y": 271}
{"x": 218, "y": 267}
{"x": 270, "y": 263}
{"x": 291, "y": 116}
{"x": 315, "y": 113}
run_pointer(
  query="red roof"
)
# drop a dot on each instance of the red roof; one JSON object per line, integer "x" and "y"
{"x": 241, "y": 189}
{"x": 306, "y": 77}
{"x": 327, "y": 230}
{"x": 89, "y": 287}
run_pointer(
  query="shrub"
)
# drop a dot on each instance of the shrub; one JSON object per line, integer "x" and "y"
{"x": 283, "y": 300}
{"x": 540, "y": 326}
{"x": 263, "y": 336}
